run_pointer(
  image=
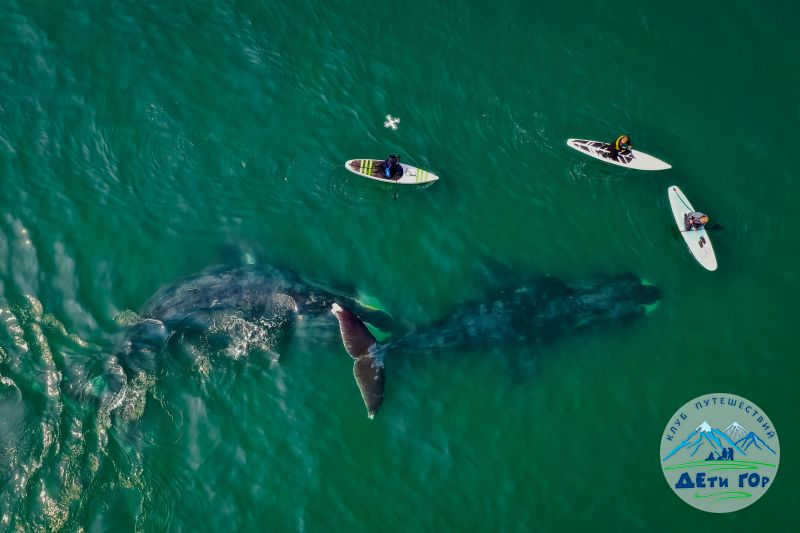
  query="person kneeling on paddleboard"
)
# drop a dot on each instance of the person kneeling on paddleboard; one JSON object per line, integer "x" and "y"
{"x": 392, "y": 169}
{"x": 621, "y": 146}
{"x": 695, "y": 220}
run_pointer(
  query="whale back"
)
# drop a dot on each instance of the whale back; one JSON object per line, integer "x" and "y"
{"x": 540, "y": 310}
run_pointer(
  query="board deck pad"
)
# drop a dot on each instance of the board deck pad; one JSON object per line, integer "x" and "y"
{"x": 373, "y": 169}
{"x": 602, "y": 151}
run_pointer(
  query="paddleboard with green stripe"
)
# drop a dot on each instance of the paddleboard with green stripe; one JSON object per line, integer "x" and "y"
{"x": 372, "y": 169}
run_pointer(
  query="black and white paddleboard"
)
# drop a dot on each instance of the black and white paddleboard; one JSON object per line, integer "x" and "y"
{"x": 635, "y": 159}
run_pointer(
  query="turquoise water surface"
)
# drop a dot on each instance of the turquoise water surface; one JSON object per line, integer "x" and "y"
{"x": 141, "y": 142}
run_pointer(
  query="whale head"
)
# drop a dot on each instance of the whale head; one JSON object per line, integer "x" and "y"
{"x": 617, "y": 298}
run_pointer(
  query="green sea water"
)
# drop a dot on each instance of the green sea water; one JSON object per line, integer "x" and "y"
{"x": 141, "y": 142}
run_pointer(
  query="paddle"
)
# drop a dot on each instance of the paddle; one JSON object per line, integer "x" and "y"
{"x": 715, "y": 227}
{"x": 396, "y": 179}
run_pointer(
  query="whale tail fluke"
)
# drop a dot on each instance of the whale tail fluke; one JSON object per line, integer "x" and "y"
{"x": 368, "y": 356}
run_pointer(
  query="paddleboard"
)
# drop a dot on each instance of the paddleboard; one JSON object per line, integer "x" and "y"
{"x": 635, "y": 159}
{"x": 697, "y": 240}
{"x": 370, "y": 168}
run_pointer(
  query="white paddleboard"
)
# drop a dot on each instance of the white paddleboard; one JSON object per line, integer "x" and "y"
{"x": 369, "y": 168}
{"x": 635, "y": 159}
{"x": 697, "y": 240}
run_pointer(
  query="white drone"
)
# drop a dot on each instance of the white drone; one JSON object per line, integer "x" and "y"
{"x": 391, "y": 122}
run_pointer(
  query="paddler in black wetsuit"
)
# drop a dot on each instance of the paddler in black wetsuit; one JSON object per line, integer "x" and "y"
{"x": 621, "y": 146}
{"x": 392, "y": 169}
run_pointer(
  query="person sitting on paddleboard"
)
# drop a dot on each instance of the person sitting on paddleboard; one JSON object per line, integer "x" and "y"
{"x": 695, "y": 220}
{"x": 621, "y": 146}
{"x": 392, "y": 169}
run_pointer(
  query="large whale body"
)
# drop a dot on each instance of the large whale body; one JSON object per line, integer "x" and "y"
{"x": 229, "y": 303}
{"x": 539, "y": 310}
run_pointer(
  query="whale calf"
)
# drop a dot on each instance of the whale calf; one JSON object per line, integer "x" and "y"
{"x": 226, "y": 301}
{"x": 540, "y": 310}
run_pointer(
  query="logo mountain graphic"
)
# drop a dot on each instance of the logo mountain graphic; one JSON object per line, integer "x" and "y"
{"x": 706, "y": 438}
{"x": 751, "y": 439}
{"x": 735, "y": 431}
{"x": 721, "y": 465}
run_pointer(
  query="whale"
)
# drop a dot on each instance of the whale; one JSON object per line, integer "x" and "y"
{"x": 222, "y": 302}
{"x": 538, "y": 311}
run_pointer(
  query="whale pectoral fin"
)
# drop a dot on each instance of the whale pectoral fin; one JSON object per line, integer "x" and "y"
{"x": 368, "y": 372}
{"x": 368, "y": 366}
{"x": 375, "y": 316}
